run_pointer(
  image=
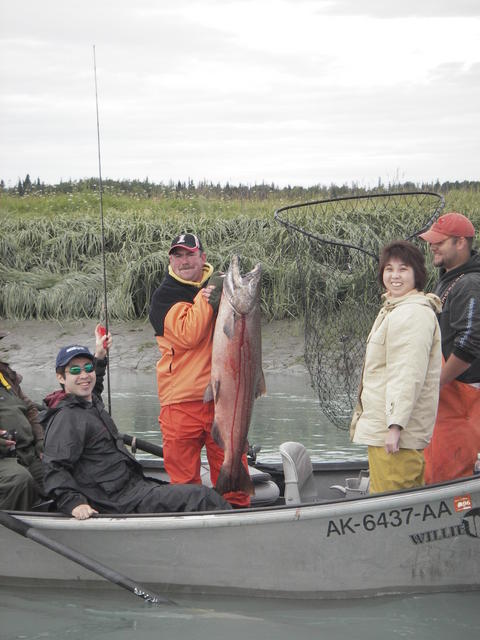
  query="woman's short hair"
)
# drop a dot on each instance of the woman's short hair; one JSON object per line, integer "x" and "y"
{"x": 410, "y": 255}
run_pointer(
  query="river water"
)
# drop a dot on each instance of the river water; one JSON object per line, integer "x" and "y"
{"x": 288, "y": 412}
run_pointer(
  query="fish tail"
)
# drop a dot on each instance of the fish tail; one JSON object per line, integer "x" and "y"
{"x": 227, "y": 482}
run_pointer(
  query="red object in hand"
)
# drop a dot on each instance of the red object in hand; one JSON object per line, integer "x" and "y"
{"x": 103, "y": 332}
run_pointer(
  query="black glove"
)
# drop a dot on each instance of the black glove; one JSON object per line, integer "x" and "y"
{"x": 216, "y": 279}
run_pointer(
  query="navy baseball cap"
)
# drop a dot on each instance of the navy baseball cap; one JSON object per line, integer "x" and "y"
{"x": 187, "y": 241}
{"x": 67, "y": 353}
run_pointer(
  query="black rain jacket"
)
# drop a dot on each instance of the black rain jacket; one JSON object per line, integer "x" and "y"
{"x": 459, "y": 291}
{"x": 86, "y": 461}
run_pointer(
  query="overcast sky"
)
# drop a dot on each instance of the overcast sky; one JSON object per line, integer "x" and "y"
{"x": 285, "y": 91}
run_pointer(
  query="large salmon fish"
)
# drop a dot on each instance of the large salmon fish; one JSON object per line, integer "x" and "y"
{"x": 237, "y": 376}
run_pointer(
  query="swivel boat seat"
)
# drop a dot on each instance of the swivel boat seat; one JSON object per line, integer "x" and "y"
{"x": 300, "y": 484}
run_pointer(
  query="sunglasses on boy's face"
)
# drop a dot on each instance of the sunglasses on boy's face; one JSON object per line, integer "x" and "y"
{"x": 76, "y": 370}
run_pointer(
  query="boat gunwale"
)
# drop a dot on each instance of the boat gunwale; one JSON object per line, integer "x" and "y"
{"x": 254, "y": 515}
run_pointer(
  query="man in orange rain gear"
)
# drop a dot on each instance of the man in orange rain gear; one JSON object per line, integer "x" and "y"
{"x": 183, "y": 313}
{"x": 456, "y": 437}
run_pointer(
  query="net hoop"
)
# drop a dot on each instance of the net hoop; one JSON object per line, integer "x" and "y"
{"x": 338, "y": 286}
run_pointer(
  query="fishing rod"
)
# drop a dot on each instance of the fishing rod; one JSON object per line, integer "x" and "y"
{"x": 100, "y": 186}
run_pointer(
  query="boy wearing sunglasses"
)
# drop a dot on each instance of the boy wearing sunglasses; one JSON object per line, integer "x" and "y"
{"x": 98, "y": 364}
{"x": 87, "y": 468}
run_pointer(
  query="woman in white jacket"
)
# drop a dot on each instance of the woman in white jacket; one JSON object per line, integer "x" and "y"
{"x": 398, "y": 395}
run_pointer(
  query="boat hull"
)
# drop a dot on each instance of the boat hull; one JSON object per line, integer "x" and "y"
{"x": 421, "y": 540}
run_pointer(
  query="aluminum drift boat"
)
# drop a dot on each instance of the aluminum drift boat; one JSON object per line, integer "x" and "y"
{"x": 337, "y": 542}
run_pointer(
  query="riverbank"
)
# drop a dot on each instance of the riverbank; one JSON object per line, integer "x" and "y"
{"x": 35, "y": 343}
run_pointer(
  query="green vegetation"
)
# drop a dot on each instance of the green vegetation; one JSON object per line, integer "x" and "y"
{"x": 51, "y": 246}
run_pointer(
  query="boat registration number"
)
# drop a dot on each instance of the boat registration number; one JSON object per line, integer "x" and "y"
{"x": 385, "y": 519}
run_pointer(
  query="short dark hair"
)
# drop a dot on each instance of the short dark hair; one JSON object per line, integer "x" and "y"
{"x": 410, "y": 255}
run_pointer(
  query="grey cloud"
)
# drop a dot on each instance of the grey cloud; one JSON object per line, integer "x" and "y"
{"x": 119, "y": 26}
{"x": 293, "y": 127}
{"x": 401, "y": 9}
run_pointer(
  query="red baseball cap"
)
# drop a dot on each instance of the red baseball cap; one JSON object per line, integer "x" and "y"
{"x": 451, "y": 224}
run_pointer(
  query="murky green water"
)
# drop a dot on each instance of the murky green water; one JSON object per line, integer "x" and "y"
{"x": 117, "y": 615}
{"x": 288, "y": 412}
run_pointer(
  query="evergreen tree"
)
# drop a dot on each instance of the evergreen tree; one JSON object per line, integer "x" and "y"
{"x": 27, "y": 184}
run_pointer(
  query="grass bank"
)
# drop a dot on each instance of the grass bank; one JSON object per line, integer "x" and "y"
{"x": 51, "y": 260}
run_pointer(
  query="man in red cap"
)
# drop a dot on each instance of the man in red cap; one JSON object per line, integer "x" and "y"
{"x": 456, "y": 437}
{"x": 183, "y": 312}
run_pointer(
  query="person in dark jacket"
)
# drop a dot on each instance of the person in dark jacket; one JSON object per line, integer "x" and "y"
{"x": 87, "y": 468}
{"x": 456, "y": 437}
{"x": 21, "y": 440}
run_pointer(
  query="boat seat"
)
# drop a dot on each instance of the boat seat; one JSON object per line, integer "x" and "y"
{"x": 266, "y": 493}
{"x": 298, "y": 472}
{"x": 355, "y": 487}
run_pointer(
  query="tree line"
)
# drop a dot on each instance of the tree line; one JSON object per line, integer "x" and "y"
{"x": 182, "y": 189}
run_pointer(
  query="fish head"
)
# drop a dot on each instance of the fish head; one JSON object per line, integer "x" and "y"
{"x": 242, "y": 291}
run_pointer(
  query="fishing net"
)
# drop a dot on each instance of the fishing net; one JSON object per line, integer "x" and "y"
{"x": 337, "y": 243}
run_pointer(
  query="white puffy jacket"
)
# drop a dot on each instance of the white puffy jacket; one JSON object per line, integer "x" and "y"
{"x": 401, "y": 374}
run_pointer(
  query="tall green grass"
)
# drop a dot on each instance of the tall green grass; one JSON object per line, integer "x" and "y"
{"x": 51, "y": 266}
{"x": 51, "y": 250}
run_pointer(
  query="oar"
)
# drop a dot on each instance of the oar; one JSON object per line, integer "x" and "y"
{"x": 149, "y": 447}
{"x": 18, "y": 526}
{"x": 143, "y": 445}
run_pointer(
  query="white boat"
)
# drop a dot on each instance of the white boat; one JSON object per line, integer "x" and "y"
{"x": 321, "y": 536}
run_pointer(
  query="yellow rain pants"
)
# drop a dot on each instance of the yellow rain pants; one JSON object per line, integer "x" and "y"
{"x": 395, "y": 471}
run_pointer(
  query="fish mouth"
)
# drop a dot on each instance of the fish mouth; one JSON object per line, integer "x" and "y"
{"x": 242, "y": 291}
